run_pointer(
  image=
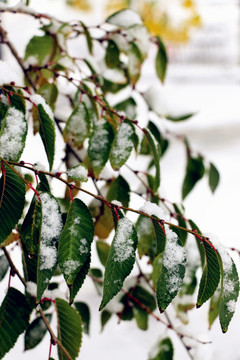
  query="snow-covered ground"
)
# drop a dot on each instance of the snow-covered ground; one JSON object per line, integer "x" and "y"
{"x": 215, "y": 132}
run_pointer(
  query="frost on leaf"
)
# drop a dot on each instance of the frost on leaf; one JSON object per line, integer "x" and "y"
{"x": 13, "y": 134}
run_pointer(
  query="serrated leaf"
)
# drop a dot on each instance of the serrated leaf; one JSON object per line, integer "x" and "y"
{"x": 128, "y": 106}
{"x": 50, "y": 233}
{"x": 165, "y": 350}
{"x": 78, "y": 173}
{"x": 31, "y": 227}
{"x": 160, "y": 236}
{"x": 78, "y": 126}
{"x": 211, "y": 274}
{"x": 214, "y": 177}
{"x": 229, "y": 290}
{"x": 88, "y": 38}
{"x": 172, "y": 265}
{"x": 156, "y": 160}
{"x": 120, "y": 260}
{"x": 13, "y": 134}
{"x": 119, "y": 190}
{"x": 161, "y": 60}
{"x": 105, "y": 317}
{"x": 124, "y": 18}
{"x": 40, "y": 47}
{"x": 35, "y": 332}
{"x": 134, "y": 63}
{"x": 103, "y": 249}
{"x": 112, "y": 54}
{"x": 4, "y": 266}
{"x": 146, "y": 237}
{"x": 12, "y": 199}
{"x": 14, "y": 317}
{"x": 69, "y": 329}
{"x": 50, "y": 93}
{"x": 79, "y": 280}
{"x": 47, "y": 132}
{"x": 84, "y": 312}
{"x": 99, "y": 145}
{"x": 194, "y": 172}
{"x": 122, "y": 145}
{"x": 75, "y": 240}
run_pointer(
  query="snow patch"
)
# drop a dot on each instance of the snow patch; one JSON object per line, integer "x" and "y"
{"x": 153, "y": 209}
{"x": 122, "y": 244}
{"x": 69, "y": 266}
{"x": 39, "y": 100}
{"x": 78, "y": 172}
{"x": 125, "y": 18}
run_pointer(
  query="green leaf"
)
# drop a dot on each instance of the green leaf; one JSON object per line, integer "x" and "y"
{"x": 165, "y": 350}
{"x": 160, "y": 235}
{"x": 105, "y": 317}
{"x": 141, "y": 317}
{"x": 78, "y": 173}
{"x": 144, "y": 297}
{"x": 14, "y": 317}
{"x": 213, "y": 177}
{"x": 35, "y": 332}
{"x": 180, "y": 117}
{"x": 163, "y": 142}
{"x": 4, "y": 266}
{"x": 12, "y": 199}
{"x": 229, "y": 290}
{"x": 213, "y": 312}
{"x": 122, "y": 145}
{"x": 50, "y": 233}
{"x": 124, "y": 18}
{"x": 112, "y": 55}
{"x": 194, "y": 172}
{"x": 69, "y": 329}
{"x": 211, "y": 274}
{"x": 172, "y": 270}
{"x": 103, "y": 250}
{"x": 161, "y": 60}
{"x": 13, "y": 134}
{"x": 78, "y": 126}
{"x": 43, "y": 185}
{"x": 31, "y": 227}
{"x": 146, "y": 237}
{"x": 79, "y": 280}
{"x": 50, "y": 93}
{"x": 120, "y": 260}
{"x": 182, "y": 234}
{"x": 156, "y": 159}
{"x": 41, "y": 48}
{"x": 84, "y": 312}
{"x": 199, "y": 242}
{"x": 134, "y": 63}
{"x": 99, "y": 145}
{"x": 88, "y": 38}
{"x": 75, "y": 240}
{"x": 128, "y": 106}
{"x": 119, "y": 190}
{"x": 46, "y": 131}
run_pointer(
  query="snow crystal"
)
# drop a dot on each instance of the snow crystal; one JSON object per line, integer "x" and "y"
{"x": 83, "y": 246}
{"x": 231, "y": 305}
{"x": 7, "y": 75}
{"x": 228, "y": 286}
{"x": 173, "y": 257}
{"x": 153, "y": 209}
{"x": 11, "y": 144}
{"x": 122, "y": 244}
{"x": 123, "y": 142}
{"x": 115, "y": 75}
{"x": 79, "y": 172}
{"x": 77, "y": 221}
{"x": 31, "y": 288}
{"x": 69, "y": 266}
{"x": 51, "y": 229}
{"x": 73, "y": 231}
{"x": 39, "y": 100}
{"x": 125, "y": 18}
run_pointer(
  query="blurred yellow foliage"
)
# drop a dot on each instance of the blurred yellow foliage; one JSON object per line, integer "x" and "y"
{"x": 172, "y": 19}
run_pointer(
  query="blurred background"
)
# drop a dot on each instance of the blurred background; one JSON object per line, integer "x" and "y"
{"x": 203, "y": 42}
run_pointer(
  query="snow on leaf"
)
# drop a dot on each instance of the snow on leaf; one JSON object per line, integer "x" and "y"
{"x": 13, "y": 134}
{"x": 79, "y": 173}
{"x": 120, "y": 260}
{"x": 172, "y": 272}
{"x": 7, "y": 75}
{"x": 124, "y": 18}
{"x": 75, "y": 240}
{"x": 139, "y": 34}
{"x": 50, "y": 233}
{"x": 122, "y": 145}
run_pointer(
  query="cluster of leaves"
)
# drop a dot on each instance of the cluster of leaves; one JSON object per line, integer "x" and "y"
{"x": 56, "y": 234}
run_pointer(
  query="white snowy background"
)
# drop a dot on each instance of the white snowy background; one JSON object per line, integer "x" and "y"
{"x": 212, "y": 91}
